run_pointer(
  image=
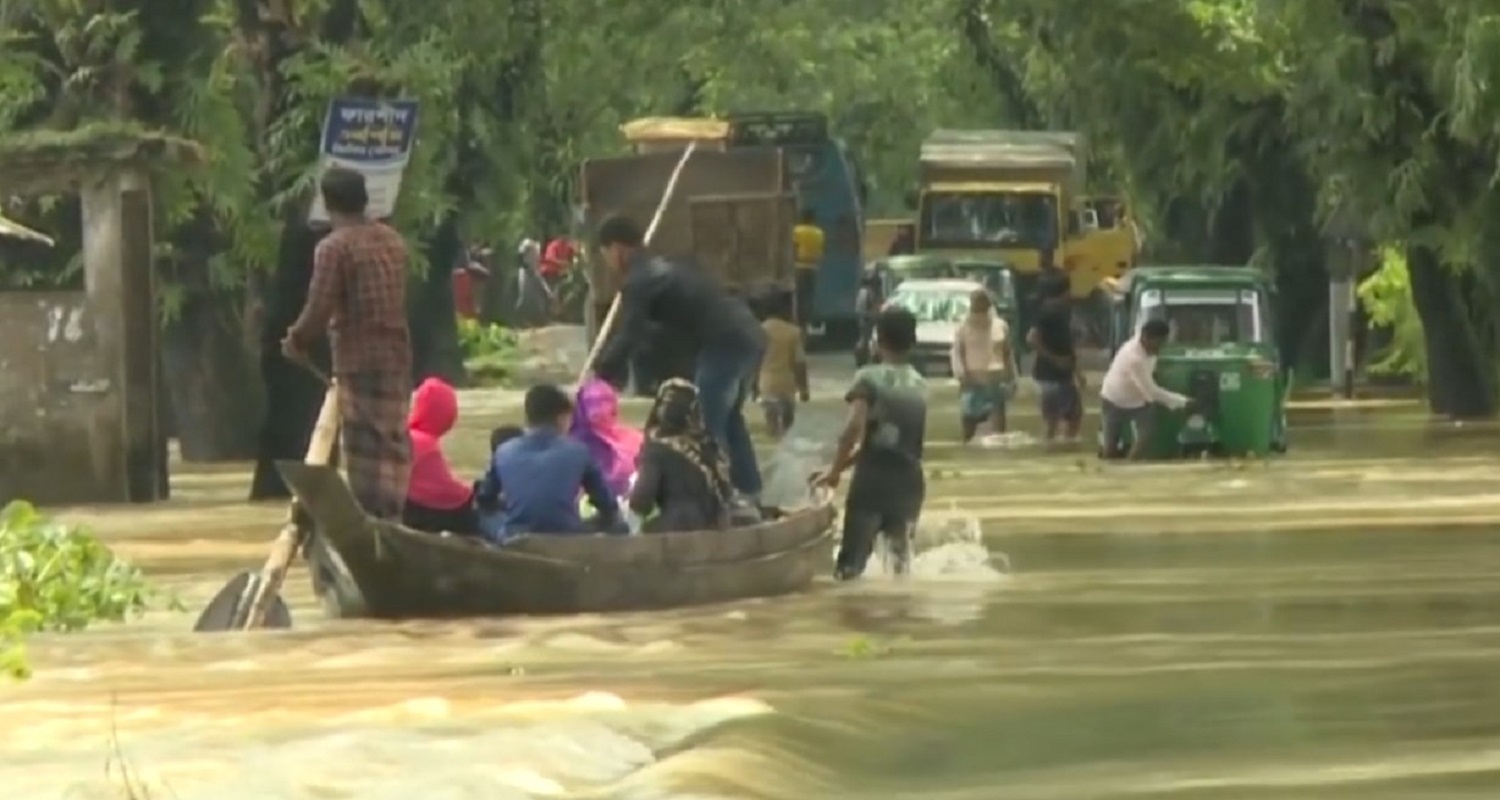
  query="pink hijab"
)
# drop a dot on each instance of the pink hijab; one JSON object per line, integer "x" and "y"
{"x": 596, "y": 423}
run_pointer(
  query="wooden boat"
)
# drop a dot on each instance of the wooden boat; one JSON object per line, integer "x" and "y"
{"x": 381, "y": 569}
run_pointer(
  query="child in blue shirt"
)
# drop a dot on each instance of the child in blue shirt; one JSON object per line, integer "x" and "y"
{"x": 534, "y": 478}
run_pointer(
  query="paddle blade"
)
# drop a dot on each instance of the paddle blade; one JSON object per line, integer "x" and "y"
{"x": 229, "y": 608}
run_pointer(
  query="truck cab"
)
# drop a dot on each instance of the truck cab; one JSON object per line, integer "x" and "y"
{"x": 1018, "y": 196}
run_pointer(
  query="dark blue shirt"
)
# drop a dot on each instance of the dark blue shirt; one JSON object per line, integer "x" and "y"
{"x": 537, "y": 477}
{"x": 677, "y": 302}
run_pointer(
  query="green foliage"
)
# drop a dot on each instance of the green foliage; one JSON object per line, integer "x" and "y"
{"x": 56, "y": 577}
{"x": 1207, "y": 113}
{"x": 491, "y": 352}
{"x": 1386, "y": 297}
{"x": 481, "y": 340}
{"x": 513, "y": 97}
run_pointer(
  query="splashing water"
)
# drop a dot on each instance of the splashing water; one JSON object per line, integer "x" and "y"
{"x": 1015, "y": 440}
{"x": 955, "y": 547}
{"x": 805, "y": 449}
{"x": 952, "y": 572}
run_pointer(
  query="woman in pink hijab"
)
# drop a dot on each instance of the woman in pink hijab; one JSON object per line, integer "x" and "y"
{"x": 614, "y": 445}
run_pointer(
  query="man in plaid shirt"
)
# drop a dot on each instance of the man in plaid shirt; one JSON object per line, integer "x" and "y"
{"x": 358, "y": 295}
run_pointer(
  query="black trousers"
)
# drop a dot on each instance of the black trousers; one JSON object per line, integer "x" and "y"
{"x": 807, "y": 284}
{"x": 463, "y": 521}
{"x": 885, "y": 508}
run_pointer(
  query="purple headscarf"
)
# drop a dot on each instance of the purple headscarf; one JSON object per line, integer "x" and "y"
{"x": 596, "y": 423}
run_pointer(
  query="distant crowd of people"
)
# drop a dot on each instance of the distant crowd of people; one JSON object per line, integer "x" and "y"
{"x": 540, "y": 270}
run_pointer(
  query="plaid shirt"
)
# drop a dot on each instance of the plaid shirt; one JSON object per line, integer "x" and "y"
{"x": 358, "y": 293}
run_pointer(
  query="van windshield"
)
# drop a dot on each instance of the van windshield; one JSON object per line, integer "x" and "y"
{"x": 933, "y": 305}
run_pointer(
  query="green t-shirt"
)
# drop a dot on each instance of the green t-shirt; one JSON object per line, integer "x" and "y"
{"x": 889, "y": 466}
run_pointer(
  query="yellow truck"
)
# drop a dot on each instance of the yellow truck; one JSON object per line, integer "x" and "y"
{"x": 1020, "y": 196}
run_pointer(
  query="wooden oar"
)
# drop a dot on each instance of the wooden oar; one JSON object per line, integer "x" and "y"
{"x": 614, "y": 305}
{"x": 253, "y": 600}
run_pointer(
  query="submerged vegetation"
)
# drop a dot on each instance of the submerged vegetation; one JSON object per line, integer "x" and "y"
{"x": 57, "y": 577}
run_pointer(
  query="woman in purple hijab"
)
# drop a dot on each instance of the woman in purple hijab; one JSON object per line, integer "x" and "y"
{"x": 596, "y": 423}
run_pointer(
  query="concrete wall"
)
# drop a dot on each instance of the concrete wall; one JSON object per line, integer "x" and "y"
{"x": 80, "y": 418}
{"x": 59, "y": 403}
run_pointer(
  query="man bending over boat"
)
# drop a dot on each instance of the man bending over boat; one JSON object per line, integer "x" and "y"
{"x": 687, "y": 304}
{"x": 542, "y": 472}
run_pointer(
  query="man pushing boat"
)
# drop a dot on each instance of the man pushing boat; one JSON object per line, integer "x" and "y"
{"x": 358, "y": 297}
{"x": 687, "y": 305}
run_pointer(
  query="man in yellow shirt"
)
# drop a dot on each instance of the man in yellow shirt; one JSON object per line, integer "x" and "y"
{"x": 807, "y": 250}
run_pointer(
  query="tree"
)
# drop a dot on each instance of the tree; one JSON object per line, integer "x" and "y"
{"x": 1235, "y": 128}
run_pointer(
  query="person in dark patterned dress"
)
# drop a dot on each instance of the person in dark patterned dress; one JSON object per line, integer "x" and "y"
{"x": 358, "y": 296}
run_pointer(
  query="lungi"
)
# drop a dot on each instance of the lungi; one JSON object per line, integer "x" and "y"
{"x": 978, "y": 399}
{"x": 376, "y": 448}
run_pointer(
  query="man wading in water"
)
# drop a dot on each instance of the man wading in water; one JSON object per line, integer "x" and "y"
{"x": 685, "y": 304}
{"x": 358, "y": 296}
{"x": 1056, "y": 366}
{"x": 883, "y": 441}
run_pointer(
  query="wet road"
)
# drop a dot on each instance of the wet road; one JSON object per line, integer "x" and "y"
{"x": 1322, "y": 626}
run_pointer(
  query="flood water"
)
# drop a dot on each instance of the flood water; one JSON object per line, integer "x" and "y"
{"x": 1322, "y": 626}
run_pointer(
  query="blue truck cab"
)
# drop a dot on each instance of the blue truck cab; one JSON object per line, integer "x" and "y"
{"x": 826, "y": 180}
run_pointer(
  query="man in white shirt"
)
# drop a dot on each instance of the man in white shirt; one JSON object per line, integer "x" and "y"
{"x": 982, "y": 362}
{"x": 1129, "y": 394}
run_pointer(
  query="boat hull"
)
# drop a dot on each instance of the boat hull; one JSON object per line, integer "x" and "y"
{"x": 381, "y": 569}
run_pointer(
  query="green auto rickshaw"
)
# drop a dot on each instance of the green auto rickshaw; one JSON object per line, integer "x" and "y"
{"x": 1221, "y": 354}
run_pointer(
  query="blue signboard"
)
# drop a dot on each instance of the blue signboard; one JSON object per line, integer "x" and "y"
{"x": 374, "y": 138}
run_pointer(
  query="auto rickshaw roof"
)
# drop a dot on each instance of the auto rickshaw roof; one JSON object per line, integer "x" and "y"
{"x": 1188, "y": 275}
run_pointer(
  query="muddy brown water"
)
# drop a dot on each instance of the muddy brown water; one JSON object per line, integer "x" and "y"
{"x": 1322, "y": 626}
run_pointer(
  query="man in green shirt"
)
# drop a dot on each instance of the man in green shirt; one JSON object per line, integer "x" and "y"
{"x": 882, "y": 440}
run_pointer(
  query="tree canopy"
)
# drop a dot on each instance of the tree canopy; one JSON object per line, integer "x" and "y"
{"x": 1239, "y": 130}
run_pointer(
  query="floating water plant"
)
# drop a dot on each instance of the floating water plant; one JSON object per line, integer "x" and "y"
{"x": 57, "y": 577}
{"x": 866, "y": 647}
